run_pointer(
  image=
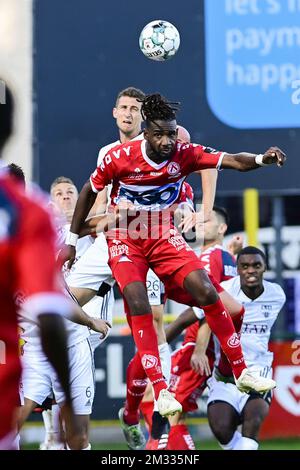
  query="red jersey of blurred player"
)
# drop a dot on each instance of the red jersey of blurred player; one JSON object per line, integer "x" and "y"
{"x": 222, "y": 266}
{"x": 23, "y": 252}
{"x": 187, "y": 384}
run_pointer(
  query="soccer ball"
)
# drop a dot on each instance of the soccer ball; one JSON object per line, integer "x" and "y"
{"x": 159, "y": 40}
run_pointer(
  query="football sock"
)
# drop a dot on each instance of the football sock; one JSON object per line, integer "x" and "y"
{"x": 180, "y": 438}
{"x": 221, "y": 325}
{"x": 136, "y": 380}
{"x": 230, "y": 445}
{"x": 165, "y": 359}
{"x": 224, "y": 366}
{"x": 245, "y": 443}
{"x": 146, "y": 342}
{"x": 146, "y": 408}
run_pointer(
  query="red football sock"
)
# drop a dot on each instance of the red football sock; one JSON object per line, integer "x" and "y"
{"x": 146, "y": 408}
{"x": 180, "y": 438}
{"x": 221, "y": 325}
{"x": 224, "y": 366}
{"x": 136, "y": 380}
{"x": 145, "y": 339}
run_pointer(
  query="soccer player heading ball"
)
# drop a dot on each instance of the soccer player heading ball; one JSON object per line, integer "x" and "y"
{"x": 147, "y": 175}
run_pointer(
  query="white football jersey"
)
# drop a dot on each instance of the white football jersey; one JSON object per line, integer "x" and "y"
{"x": 104, "y": 150}
{"x": 260, "y": 316}
{"x": 82, "y": 245}
{"x": 30, "y": 333}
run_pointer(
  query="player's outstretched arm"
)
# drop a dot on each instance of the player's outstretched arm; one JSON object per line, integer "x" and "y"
{"x": 249, "y": 161}
{"x": 183, "y": 320}
{"x": 84, "y": 204}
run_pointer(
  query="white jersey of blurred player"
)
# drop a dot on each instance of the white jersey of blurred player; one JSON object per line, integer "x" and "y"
{"x": 259, "y": 318}
{"x": 39, "y": 378}
{"x": 92, "y": 274}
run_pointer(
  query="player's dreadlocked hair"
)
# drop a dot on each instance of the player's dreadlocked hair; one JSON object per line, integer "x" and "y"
{"x": 156, "y": 107}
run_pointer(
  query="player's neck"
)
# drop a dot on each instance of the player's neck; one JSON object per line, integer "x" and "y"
{"x": 128, "y": 137}
{"x": 208, "y": 244}
{"x": 253, "y": 292}
{"x": 154, "y": 156}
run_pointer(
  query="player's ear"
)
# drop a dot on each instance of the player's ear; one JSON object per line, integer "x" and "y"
{"x": 114, "y": 113}
{"x": 223, "y": 228}
{"x": 146, "y": 133}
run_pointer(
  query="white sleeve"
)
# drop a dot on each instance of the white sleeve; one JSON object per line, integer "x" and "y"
{"x": 47, "y": 302}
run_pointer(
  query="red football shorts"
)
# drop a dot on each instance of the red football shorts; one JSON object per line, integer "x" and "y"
{"x": 186, "y": 384}
{"x": 171, "y": 259}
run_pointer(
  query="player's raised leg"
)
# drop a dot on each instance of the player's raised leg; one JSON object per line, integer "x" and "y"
{"x": 201, "y": 289}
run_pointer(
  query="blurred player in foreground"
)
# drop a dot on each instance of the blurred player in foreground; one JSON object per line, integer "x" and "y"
{"x": 26, "y": 238}
{"x": 229, "y": 407}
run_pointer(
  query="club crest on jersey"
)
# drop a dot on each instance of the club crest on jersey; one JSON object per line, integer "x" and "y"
{"x": 266, "y": 310}
{"x": 234, "y": 341}
{"x": 149, "y": 361}
{"x": 173, "y": 168}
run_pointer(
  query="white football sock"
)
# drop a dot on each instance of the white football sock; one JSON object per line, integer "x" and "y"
{"x": 230, "y": 445}
{"x": 56, "y": 418}
{"x": 47, "y": 417}
{"x": 245, "y": 443}
{"x": 165, "y": 359}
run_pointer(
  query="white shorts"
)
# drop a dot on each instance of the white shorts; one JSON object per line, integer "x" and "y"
{"x": 92, "y": 267}
{"x": 220, "y": 391}
{"x": 228, "y": 392}
{"x": 39, "y": 380}
{"x": 155, "y": 288}
{"x": 102, "y": 308}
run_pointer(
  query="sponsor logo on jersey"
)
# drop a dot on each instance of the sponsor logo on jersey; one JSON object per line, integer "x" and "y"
{"x": 137, "y": 170}
{"x": 173, "y": 168}
{"x": 210, "y": 150}
{"x": 158, "y": 198}
{"x": 149, "y": 361}
{"x": 266, "y": 309}
{"x": 252, "y": 328}
{"x": 118, "y": 250}
{"x": 153, "y": 295}
{"x": 140, "y": 383}
{"x": 156, "y": 173}
{"x": 230, "y": 271}
{"x": 234, "y": 341}
{"x": 178, "y": 242}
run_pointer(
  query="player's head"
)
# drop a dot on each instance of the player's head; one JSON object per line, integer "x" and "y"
{"x": 64, "y": 194}
{"x": 216, "y": 227}
{"x": 161, "y": 127}
{"x": 6, "y": 114}
{"x": 127, "y": 111}
{"x": 16, "y": 172}
{"x": 251, "y": 265}
{"x": 183, "y": 135}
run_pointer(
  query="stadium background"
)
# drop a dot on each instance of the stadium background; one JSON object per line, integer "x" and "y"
{"x": 82, "y": 54}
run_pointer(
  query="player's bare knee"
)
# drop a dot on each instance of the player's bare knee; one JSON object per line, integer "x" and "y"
{"x": 206, "y": 295}
{"x": 252, "y": 426}
{"x": 139, "y": 307}
{"x": 222, "y": 432}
